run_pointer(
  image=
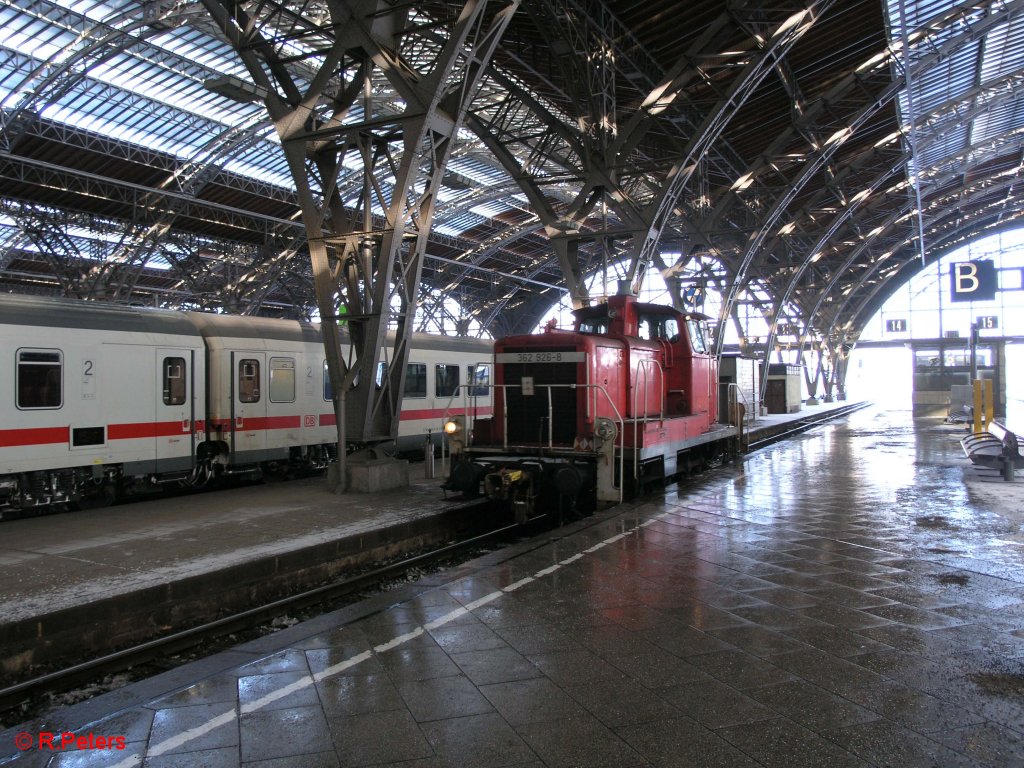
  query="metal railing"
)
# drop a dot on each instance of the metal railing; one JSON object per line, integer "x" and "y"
{"x": 734, "y": 412}
{"x": 619, "y": 420}
{"x": 642, "y": 379}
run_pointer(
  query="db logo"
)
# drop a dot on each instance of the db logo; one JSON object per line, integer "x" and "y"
{"x": 310, "y": 421}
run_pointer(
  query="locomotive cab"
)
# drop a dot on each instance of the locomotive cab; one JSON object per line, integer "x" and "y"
{"x": 599, "y": 409}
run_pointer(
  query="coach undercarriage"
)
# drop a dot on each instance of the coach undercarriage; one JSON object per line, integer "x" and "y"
{"x": 110, "y": 482}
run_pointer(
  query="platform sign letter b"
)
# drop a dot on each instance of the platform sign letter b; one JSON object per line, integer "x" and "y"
{"x": 973, "y": 281}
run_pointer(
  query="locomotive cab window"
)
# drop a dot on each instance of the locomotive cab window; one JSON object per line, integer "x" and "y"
{"x": 446, "y": 380}
{"x": 282, "y": 380}
{"x": 248, "y": 381}
{"x": 174, "y": 380}
{"x": 597, "y": 325}
{"x": 658, "y": 327}
{"x": 416, "y": 380}
{"x": 697, "y": 336}
{"x": 479, "y": 378}
{"x": 40, "y": 378}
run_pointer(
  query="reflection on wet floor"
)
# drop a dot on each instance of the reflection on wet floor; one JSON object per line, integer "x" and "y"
{"x": 839, "y": 599}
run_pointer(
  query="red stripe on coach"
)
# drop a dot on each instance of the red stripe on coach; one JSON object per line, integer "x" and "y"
{"x": 146, "y": 429}
{"x": 10, "y": 438}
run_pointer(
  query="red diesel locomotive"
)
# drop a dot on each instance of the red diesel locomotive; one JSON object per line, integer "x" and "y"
{"x": 628, "y": 397}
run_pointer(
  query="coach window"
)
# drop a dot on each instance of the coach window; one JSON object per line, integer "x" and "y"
{"x": 40, "y": 378}
{"x": 282, "y": 380}
{"x": 328, "y": 392}
{"x": 174, "y": 380}
{"x": 416, "y": 380}
{"x": 446, "y": 380}
{"x": 479, "y": 378}
{"x": 248, "y": 381}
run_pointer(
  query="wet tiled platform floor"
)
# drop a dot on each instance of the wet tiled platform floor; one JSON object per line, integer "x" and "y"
{"x": 841, "y": 599}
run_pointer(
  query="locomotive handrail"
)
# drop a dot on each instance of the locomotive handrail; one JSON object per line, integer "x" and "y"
{"x": 641, "y": 376}
{"x": 642, "y": 368}
{"x": 668, "y": 350}
{"x": 598, "y": 387}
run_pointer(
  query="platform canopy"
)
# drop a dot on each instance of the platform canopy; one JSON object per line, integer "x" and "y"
{"x": 800, "y": 159}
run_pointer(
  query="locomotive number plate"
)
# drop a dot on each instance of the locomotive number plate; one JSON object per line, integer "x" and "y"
{"x": 540, "y": 357}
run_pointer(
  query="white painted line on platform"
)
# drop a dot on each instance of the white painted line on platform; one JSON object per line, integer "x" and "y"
{"x": 400, "y": 640}
{"x": 341, "y": 666}
{"x": 255, "y": 706}
{"x": 448, "y": 617}
{"x": 180, "y": 739}
{"x": 480, "y": 602}
{"x": 276, "y": 695}
{"x": 517, "y": 584}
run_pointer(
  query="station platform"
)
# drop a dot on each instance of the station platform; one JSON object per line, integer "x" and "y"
{"x": 852, "y": 596}
{"x": 101, "y": 579}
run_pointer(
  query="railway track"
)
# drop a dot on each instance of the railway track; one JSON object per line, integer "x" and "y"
{"x": 30, "y": 695}
{"x": 802, "y": 425}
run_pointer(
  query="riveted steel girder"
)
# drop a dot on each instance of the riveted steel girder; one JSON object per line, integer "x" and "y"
{"x": 780, "y": 35}
{"x": 380, "y": 88}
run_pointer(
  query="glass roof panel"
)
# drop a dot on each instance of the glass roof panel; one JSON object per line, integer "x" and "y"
{"x": 955, "y": 86}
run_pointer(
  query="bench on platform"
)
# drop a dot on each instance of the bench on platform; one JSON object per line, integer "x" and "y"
{"x": 997, "y": 448}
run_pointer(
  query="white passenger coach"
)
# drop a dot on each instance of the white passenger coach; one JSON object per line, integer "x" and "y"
{"x": 104, "y": 400}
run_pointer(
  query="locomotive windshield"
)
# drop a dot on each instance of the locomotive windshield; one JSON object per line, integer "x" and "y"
{"x": 697, "y": 336}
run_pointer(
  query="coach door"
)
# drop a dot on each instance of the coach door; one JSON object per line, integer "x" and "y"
{"x": 249, "y": 405}
{"x": 174, "y": 426}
